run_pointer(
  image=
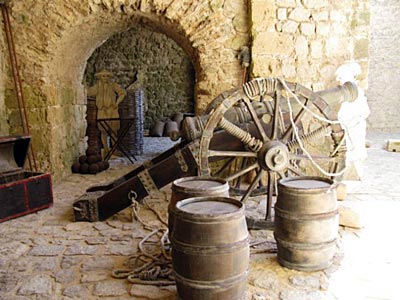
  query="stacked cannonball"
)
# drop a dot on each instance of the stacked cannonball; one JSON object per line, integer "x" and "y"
{"x": 91, "y": 163}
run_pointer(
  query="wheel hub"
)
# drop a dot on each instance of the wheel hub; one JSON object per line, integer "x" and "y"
{"x": 274, "y": 156}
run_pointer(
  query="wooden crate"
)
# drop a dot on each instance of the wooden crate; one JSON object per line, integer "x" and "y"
{"x": 21, "y": 192}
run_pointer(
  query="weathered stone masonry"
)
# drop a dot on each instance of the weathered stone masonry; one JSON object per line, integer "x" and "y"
{"x": 384, "y": 80}
{"x": 167, "y": 73}
{"x": 303, "y": 41}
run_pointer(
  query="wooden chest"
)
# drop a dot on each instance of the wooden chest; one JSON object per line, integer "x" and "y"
{"x": 21, "y": 192}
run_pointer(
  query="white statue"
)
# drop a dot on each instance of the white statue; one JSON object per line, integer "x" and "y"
{"x": 353, "y": 117}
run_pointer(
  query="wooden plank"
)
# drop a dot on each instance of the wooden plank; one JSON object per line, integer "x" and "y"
{"x": 102, "y": 202}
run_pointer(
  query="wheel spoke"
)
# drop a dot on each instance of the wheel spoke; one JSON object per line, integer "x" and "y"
{"x": 212, "y": 153}
{"x": 295, "y": 171}
{"x": 252, "y": 186}
{"x": 282, "y": 174}
{"x": 289, "y": 131}
{"x": 241, "y": 172}
{"x": 314, "y": 157}
{"x": 278, "y": 96}
{"x": 271, "y": 186}
{"x": 239, "y": 179}
{"x": 256, "y": 121}
{"x": 224, "y": 167}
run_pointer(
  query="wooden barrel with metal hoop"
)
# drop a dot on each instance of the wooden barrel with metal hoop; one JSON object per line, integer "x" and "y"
{"x": 210, "y": 249}
{"x": 195, "y": 186}
{"x": 306, "y": 222}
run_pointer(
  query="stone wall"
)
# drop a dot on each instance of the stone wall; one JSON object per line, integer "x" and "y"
{"x": 301, "y": 40}
{"x": 167, "y": 74}
{"x": 384, "y": 80}
{"x": 305, "y": 41}
{"x": 56, "y": 38}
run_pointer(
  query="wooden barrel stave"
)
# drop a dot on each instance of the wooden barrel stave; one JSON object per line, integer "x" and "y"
{"x": 210, "y": 252}
{"x": 306, "y": 223}
{"x": 195, "y": 186}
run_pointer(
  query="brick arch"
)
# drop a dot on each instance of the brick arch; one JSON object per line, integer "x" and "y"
{"x": 59, "y": 36}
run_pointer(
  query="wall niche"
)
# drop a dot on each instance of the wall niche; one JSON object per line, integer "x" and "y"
{"x": 168, "y": 74}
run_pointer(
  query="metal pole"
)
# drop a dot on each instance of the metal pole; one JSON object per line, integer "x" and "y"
{"x": 17, "y": 80}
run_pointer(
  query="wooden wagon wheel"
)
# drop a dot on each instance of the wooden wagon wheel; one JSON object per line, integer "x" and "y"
{"x": 269, "y": 149}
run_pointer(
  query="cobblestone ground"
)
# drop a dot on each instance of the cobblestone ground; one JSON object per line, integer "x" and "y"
{"x": 48, "y": 256}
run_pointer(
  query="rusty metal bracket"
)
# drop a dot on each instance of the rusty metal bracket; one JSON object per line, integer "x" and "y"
{"x": 85, "y": 209}
{"x": 147, "y": 181}
{"x": 181, "y": 161}
{"x": 147, "y": 164}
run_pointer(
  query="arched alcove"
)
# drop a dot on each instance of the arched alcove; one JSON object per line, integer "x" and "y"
{"x": 58, "y": 38}
{"x": 166, "y": 72}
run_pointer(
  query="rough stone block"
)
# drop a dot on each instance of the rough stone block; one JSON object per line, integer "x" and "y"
{"x": 309, "y": 281}
{"x": 262, "y": 12}
{"x": 307, "y": 29}
{"x": 361, "y": 48}
{"x": 8, "y": 281}
{"x": 272, "y": 43}
{"x": 265, "y": 279}
{"x": 314, "y": 3}
{"x": 337, "y": 47}
{"x": 341, "y": 191}
{"x": 349, "y": 217}
{"x": 286, "y": 3}
{"x": 94, "y": 276}
{"x": 45, "y": 264}
{"x": 46, "y": 250}
{"x": 70, "y": 261}
{"x": 120, "y": 249}
{"x": 100, "y": 263}
{"x": 288, "y": 69}
{"x": 153, "y": 292}
{"x": 337, "y": 16}
{"x": 80, "y": 250}
{"x": 299, "y": 14}
{"x": 240, "y": 24}
{"x": 316, "y": 48}
{"x": 320, "y": 15}
{"x": 36, "y": 285}
{"x": 341, "y": 28}
{"x": 300, "y": 295}
{"x": 290, "y": 26}
{"x": 78, "y": 226}
{"x": 301, "y": 46}
{"x": 281, "y": 13}
{"x": 65, "y": 276}
{"x": 323, "y": 28}
{"x": 110, "y": 288}
{"x": 76, "y": 291}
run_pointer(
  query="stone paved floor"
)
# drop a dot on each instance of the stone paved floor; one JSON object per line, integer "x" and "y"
{"x": 47, "y": 256}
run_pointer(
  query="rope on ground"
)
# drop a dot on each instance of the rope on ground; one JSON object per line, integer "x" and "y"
{"x": 149, "y": 267}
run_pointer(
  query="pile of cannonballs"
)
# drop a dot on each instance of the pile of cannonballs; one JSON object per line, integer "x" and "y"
{"x": 91, "y": 163}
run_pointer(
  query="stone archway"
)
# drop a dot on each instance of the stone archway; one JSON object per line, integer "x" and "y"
{"x": 56, "y": 38}
{"x": 166, "y": 71}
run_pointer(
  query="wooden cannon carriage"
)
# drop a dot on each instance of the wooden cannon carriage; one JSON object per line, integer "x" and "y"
{"x": 252, "y": 136}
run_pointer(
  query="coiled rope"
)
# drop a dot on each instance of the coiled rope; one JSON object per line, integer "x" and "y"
{"x": 149, "y": 267}
{"x": 296, "y": 130}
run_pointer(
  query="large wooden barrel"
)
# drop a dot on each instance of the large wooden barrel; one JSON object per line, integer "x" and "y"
{"x": 210, "y": 249}
{"x": 306, "y": 222}
{"x": 195, "y": 186}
